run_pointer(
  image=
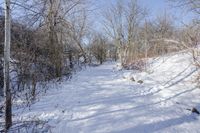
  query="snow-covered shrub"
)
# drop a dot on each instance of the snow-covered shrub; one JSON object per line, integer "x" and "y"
{"x": 36, "y": 126}
{"x": 136, "y": 65}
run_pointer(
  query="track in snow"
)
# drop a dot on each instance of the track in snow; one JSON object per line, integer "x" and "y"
{"x": 100, "y": 100}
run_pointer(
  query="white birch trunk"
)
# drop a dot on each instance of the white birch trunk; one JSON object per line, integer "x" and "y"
{"x": 7, "y": 90}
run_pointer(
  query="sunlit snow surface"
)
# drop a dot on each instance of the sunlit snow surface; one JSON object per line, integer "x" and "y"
{"x": 103, "y": 99}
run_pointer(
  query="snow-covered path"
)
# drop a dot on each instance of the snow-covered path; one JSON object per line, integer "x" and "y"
{"x": 103, "y": 100}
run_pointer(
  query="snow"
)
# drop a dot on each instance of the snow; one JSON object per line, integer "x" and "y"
{"x": 103, "y": 99}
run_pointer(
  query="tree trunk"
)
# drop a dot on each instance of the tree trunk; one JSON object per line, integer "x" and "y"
{"x": 33, "y": 87}
{"x": 70, "y": 60}
{"x": 1, "y": 78}
{"x": 7, "y": 91}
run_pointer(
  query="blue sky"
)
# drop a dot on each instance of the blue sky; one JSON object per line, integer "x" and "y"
{"x": 154, "y": 6}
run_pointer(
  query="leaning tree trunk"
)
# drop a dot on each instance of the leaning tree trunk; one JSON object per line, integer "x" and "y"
{"x": 7, "y": 91}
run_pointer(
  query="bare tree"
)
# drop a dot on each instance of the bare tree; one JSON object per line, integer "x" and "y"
{"x": 7, "y": 89}
{"x": 39, "y": 45}
{"x": 98, "y": 47}
{"x": 76, "y": 29}
{"x": 2, "y": 18}
{"x": 192, "y": 5}
{"x": 164, "y": 29}
{"x": 122, "y": 23}
{"x": 114, "y": 26}
{"x": 134, "y": 16}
